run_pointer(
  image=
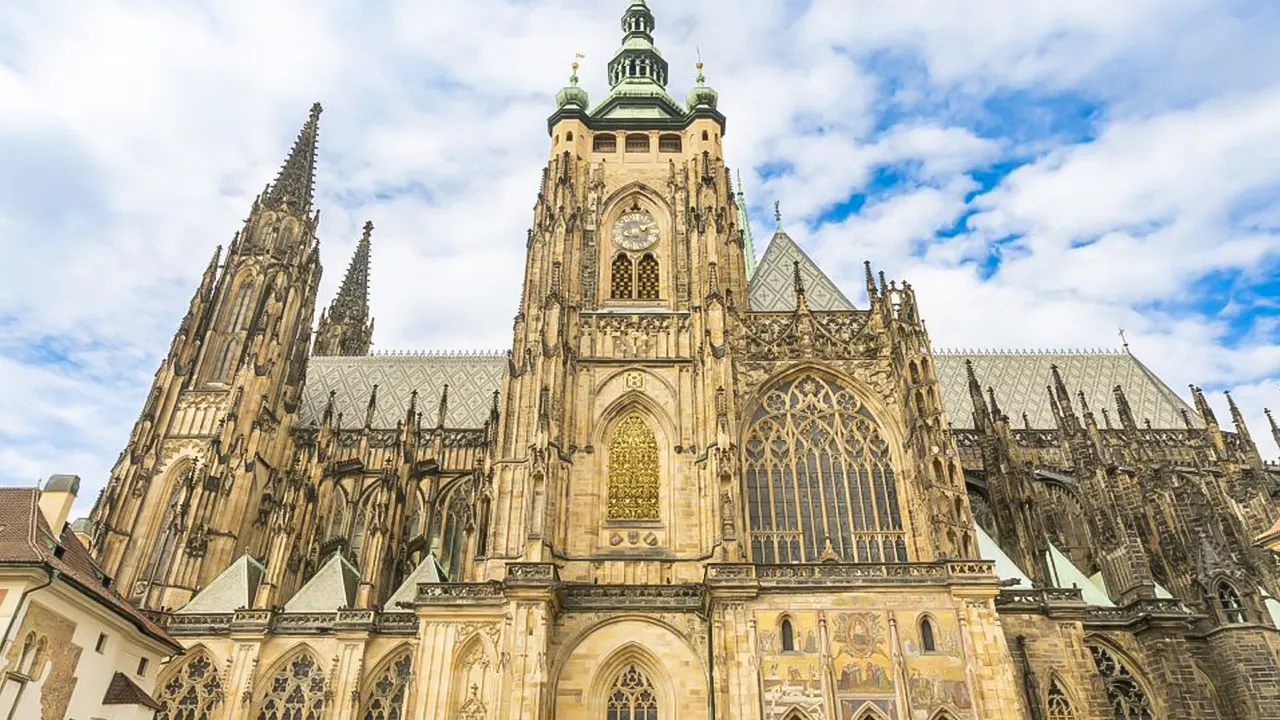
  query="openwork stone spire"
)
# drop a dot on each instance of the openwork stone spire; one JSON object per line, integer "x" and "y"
{"x": 345, "y": 329}
{"x": 293, "y": 187}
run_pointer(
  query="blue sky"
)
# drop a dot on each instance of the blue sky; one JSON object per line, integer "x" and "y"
{"x": 1043, "y": 172}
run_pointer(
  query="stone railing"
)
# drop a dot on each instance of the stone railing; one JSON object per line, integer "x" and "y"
{"x": 532, "y": 574}
{"x": 213, "y": 624}
{"x": 838, "y": 574}
{"x": 459, "y": 593}
{"x": 397, "y": 623}
{"x": 678, "y": 598}
{"x": 1162, "y": 608}
{"x": 1041, "y": 600}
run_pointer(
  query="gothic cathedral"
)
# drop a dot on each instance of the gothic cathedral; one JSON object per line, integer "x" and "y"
{"x": 694, "y": 487}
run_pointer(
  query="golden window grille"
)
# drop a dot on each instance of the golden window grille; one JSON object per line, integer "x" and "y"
{"x": 647, "y": 277}
{"x": 620, "y": 282}
{"x": 817, "y": 471}
{"x": 633, "y": 472}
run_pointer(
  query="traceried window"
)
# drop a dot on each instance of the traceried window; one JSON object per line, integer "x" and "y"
{"x": 193, "y": 693}
{"x": 632, "y": 697}
{"x": 297, "y": 692}
{"x": 386, "y": 698}
{"x": 633, "y": 471}
{"x": 647, "y": 277}
{"x": 818, "y": 479}
{"x": 1229, "y": 599}
{"x": 620, "y": 284}
{"x": 1059, "y": 703}
{"x": 1128, "y": 700}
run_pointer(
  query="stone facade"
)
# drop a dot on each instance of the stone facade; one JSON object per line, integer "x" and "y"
{"x": 684, "y": 492}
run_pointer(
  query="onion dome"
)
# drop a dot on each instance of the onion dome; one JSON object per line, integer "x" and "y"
{"x": 572, "y": 95}
{"x": 702, "y": 95}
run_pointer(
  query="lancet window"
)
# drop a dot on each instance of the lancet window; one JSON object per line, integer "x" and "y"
{"x": 621, "y": 283}
{"x": 634, "y": 475}
{"x": 297, "y": 692}
{"x": 386, "y": 697}
{"x": 1232, "y": 608}
{"x": 819, "y": 481}
{"x": 193, "y": 693}
{"x": 632, "y": 697}
{"x": 1059, "y": 703}
{"x": 1127, "y": 698}
{"x": 647, "y": 277}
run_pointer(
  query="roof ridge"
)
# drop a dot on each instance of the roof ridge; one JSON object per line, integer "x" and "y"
{"x": 1020, "y": 352}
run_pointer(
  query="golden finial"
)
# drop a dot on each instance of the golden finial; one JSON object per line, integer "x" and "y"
{"x": 577, "y": 60}
{"x": 701, "y": 79}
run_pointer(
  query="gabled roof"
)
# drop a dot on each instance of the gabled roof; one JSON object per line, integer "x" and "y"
{"x": 232, "y": 590}
{"x": 332, "y": 588}
{"x": 123, "y": 691}
{"x": 472, "y": 380}
{"x": 1006, "y": 569}
{"x": 26, "y": 540}
{"x": 772, "y": 285}
{"x": 428, "y": 571}
{"x": 1067, "y": 575}
{"x": 1020, "y": 379}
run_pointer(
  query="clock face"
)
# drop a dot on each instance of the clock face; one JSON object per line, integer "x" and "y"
{"x": 635, "y": 231}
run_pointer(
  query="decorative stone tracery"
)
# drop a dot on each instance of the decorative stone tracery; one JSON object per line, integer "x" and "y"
{"x": 296, "y": 692}
{"x": 1127, "y": 698}
{"x": 194, "y": 692}
{"x": 385, "y": 700}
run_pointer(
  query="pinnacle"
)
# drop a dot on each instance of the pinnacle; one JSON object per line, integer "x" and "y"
{"x": 294, "y": 185}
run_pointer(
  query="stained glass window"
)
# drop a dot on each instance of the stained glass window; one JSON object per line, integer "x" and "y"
{"x": 633, "y": 471}
{"x": 632, "y": 697}
{"x": 647, "y": 277}
{"x": 193, "y": 693}
{"x": 386, "y": 698}
{"x": 621, "y": 282}
{"x": 818, "y": 479}
{"x": 1059, "y": 703}
{"x": 297, "y": 692}
{"x": 1128, "y": 700}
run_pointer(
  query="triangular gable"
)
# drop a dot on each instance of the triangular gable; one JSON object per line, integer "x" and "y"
{"x": 772, "y": 286}
{"x": 332, "y": 587}
{"x": 1069, "y": 576}
{"x": 428, "y": 571}
{"x": 232, "y": 590}
{"x": 1006, "y": 569}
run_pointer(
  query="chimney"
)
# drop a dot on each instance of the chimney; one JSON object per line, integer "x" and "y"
{"x": 56, "y": 499}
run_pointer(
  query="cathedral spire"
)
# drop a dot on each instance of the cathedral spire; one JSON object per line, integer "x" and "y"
{"x": 346, "y": 328}
{"x": 293, "y": 187}
{"x": 1275, "y": 429}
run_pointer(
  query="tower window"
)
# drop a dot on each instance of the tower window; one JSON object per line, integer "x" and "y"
{"x": 568, "y": 136}
{"x": 1232, "y": 608}
{"x": 669, "y": 144}
{"x": 706, "y": 137}
{"x": 647, "y": 278}
{"x": 620, "y": 284}
{"x": 637, "y": 143}
{"x": 605, "y": 143}
{"x": 927, "y": 642}
{"x": 787, "y": 636}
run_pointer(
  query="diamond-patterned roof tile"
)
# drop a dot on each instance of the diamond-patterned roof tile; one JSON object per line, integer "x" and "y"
{"x": 472, "y": 380}
{"x": 1020, "y": 378}
{"x": 772, "y": 285}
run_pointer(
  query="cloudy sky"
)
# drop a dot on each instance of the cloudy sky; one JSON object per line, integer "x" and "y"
{"x": 1044, "y": 172}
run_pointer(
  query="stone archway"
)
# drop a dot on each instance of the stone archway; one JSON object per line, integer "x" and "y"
{"x": 630, "y": 653}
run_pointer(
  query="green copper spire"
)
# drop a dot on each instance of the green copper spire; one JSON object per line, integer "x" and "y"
{"x": 744, "y": 225}
{"x": 702, "y": 95}
{"x": 638, "y": 61}
{"x": 572, "y": 94}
